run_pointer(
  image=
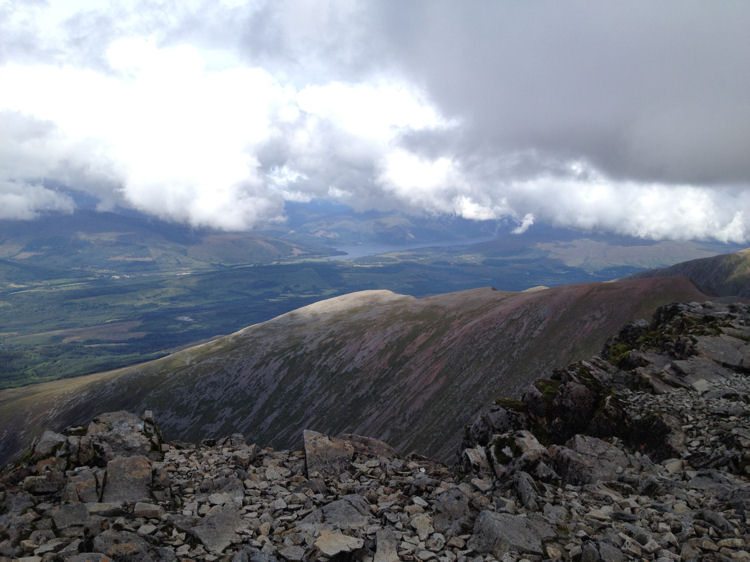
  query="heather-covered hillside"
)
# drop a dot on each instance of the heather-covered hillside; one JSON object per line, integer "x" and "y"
{"x": 410, "y": 371}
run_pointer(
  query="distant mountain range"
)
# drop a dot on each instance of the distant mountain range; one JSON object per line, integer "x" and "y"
{"x": 104, "y": 244}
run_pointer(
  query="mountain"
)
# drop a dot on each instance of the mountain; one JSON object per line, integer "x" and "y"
{"x": 105, "y": 244}
{"x": 94, "y": 291}
{"x": 410, "y": 371}
{"x": 724, "y": 275}
{"x": 639, "y": 455}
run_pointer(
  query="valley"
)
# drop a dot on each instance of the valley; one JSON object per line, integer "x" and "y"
{"x": 95, "y": 291}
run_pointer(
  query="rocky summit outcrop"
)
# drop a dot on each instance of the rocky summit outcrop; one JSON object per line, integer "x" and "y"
{"x": 642, "y": 454}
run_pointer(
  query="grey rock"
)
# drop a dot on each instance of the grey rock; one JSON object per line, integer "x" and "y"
{"x": 609, "y": 552}
{"x": 47, "y": 445}
{"x": 249, "y": 554}
{"x": 17, "y": 502}
{"x": 589, "y": 553}
{"x": 369, "y": 446}
{"x": 332, "y": 543}
{"x": 514, "y": 451}
{"x": 387, "y": 546}
{"x": 292, "y": 553}
{"x": 82, "y": 486}
{"x": 715, "y": 519}
{"x": 725, "y": 350}
{"x": 494, "y": 420}
{"x": 217, "y": 530}
{"x": 326, "y": 455}
{"x": 526, "y": 490}
{"x": 115, "y": 434}
{"x": 350, "y": 512}
{"x": 123, "y": 545}
{"x": 48, "y": 483}
{"x": 697, "y": 368}
{"x": 499, "y": 533}
{"x": 422, "y": 524}
{"x": 69, "y": 515}
{"x": 105, "y": 509}
{"x": 555, "y": 514}
{"x": 453, "y": 514}
{"x": 587, "y": 459}
{"x": 474, "y": 459}
{"x": 148, "y": 510}
{"x": 232, "y": 487}
{"x": 128, "y": 479}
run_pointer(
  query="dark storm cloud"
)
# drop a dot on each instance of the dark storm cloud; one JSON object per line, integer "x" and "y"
{"x": 646, "y": 91}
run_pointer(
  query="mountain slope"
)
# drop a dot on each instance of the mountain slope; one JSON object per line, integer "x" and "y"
{"x": 724, "y": 275}
{"x": 99, "y": 244}
{"x": 411, "y": 371}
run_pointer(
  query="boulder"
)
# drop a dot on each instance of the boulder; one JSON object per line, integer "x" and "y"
{"x": 125, "y": 546}
{"x": 474, "y": 460}
{"x": 332, "y": 543}
{"x": 217, "y": 529}
{"x": 369, "y": 446}
{"x": 454, "y": 515}
{"x": 386, "y": 546}
{"x": 115, "y": 434}
{"x": 48, "y": 483}
{"x": 128, "y": 479}
{"x": 328, "y": 456}
{"x": 726, "y": 350}
{"x": 498, "y": 418}
{"x": 47, "y": 445}
{"x": 70, "y": 515}
{"x": 82, "y": 486}
{"x": 660, "y": 434}
{"x": 500, "y": 533}
{"x": 586, "y": 459}
{"x": 526, "y": 490}
{"x": 350, "y": 512}
{"x": 516, "y": 451}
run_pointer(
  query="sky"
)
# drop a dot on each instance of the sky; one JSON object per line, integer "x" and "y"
{"x": 626, "y": 117}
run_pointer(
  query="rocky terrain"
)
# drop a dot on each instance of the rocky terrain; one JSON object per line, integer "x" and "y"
{"x": 409, "y": 371}
{"x": 643, "y": 453}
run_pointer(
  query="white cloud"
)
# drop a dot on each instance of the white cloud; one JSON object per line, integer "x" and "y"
{"x": 526, "y": 222}
{"x": 182, "y": 140}
{"x": 216, "y": 113}
{"x": 23, "y": 201}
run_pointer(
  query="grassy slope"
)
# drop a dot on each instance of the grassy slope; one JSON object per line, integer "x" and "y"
{"x": 725, "y": 275}
{"x": 411, "y": 371}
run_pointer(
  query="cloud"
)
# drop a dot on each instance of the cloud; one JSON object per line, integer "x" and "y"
{"x": 632, "y": 118}
{"x": 26, "y": 201}
{"x": 526, "y": 222}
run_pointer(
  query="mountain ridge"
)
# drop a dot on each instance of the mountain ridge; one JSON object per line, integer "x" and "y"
{"x": 642, "y": 453}
{"x": 723, "y": 275}
{"x": 409, "y": 371}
